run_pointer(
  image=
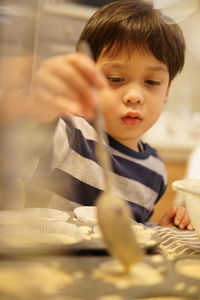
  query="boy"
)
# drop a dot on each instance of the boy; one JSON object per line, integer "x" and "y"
{"x": 137, "y": 56}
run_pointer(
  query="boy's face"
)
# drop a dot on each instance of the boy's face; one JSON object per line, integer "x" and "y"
{"x": 140, "y": 84}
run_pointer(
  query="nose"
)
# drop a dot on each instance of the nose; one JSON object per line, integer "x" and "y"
{"x": 133, "y": 95}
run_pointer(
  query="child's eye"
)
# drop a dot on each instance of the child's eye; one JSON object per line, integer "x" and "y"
{"x": 115, "y": 79}
{"x": 152, "y": 82}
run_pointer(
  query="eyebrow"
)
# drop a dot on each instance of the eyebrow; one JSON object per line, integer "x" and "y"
{"x": 113, "y": 64}
{"x": 156, "y": 68}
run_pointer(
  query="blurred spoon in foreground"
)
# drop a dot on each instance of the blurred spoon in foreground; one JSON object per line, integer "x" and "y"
{"x": 114, "y": 214}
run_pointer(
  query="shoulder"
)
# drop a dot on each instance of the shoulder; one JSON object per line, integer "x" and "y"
{"x": 74, "y": 137}
{"x": 150, "y": 150}
{"x": 155, "y": 161}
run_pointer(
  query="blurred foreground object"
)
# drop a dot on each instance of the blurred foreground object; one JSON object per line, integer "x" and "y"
{"x": 114, "y": 214}
{"x": 17, "y": 36}
{"x": 18, "y": 20}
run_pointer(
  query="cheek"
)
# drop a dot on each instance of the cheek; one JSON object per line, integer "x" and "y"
{"x": 165, "y": 94}
{"x": 110, "y": 115}
{"x": 155, "y": 110}
{"x": 108, "y": 100}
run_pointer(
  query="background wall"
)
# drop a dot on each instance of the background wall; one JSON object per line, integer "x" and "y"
{"x": 179, "y": 125}
{"x": 186, "y": 88}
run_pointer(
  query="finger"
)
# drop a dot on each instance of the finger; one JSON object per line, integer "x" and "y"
{"x": 49, "y": 96}
{"x": 47, "y": 107}
{"x": 179, "y": 215}
{"x": 81, "y": 87}
{"x": 67, "y": 107}
{"x": 168, "y": 217}
{"x": 85, "y": 65}
{"x": 190, "y": 227}
{"x": 50, "y": 82}
{"x": 76, "y": 83}
{"x": 185, "y": 221}
{"x": 88, "y": 68}
{"x": 65, "y": 80}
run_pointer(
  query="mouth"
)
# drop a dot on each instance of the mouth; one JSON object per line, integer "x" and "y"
{"x": 132, "y": 118}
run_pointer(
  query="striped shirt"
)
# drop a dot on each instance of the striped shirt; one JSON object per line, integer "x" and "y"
{"x": 72, "y": 170}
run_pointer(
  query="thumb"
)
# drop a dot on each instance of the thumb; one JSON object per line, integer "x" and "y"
{"x": 168, "y": 217}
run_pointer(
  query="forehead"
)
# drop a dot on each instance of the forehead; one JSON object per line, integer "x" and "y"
{"x": 138, "y": 56}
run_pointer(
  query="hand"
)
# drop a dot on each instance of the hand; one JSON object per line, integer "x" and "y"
{"x": 177, "y": 216}
{"x": 65, "y": 85}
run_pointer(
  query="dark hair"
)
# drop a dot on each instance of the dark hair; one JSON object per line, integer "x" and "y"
{"x": 136, "y": 24}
